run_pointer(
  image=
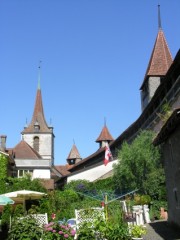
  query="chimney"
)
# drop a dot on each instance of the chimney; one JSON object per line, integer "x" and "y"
{"x": 3, "y": 142}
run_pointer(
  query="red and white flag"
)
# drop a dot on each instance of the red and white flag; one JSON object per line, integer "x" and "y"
{"x": 108, "y": 154}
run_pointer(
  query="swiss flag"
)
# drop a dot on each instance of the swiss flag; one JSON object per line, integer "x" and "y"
{"x": 108, "y": 154}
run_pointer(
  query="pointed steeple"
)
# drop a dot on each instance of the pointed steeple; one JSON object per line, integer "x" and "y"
{"x": 74, "y": 155}
{"x": 38, "y": 122}
{"x": 104, "y": 136}
{"x": 159, "y": 63}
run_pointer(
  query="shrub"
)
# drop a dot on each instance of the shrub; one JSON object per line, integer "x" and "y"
{"x": 155, "y": 209}
{"x": 103, "y": 230}
{"x": 137, "y": 231}
{"x": 142, "y": 199}
{"x": 25, "y": 228}
{"x": 6, "y": 214}
{"x": 18, "y": 211}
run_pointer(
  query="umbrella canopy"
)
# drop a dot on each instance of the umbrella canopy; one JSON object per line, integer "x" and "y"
{"x": 5, "y": 200}
{"x": 25, "y": 195}
{"x": 22, "y": 195}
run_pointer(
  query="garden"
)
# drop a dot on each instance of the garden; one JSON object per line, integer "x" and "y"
{"x": 138, "y": 179}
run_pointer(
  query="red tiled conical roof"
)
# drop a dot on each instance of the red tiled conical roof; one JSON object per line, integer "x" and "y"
{"x": 161, "y": 58}
{"x": 104, "y": 135}
{"x": 74, "y": 153}
{"x": 38, "y": 116}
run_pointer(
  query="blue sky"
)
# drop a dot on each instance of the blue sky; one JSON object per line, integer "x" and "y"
{"x": 94, "y": 56}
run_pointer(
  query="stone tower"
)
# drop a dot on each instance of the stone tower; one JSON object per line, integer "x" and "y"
{"x": 159, "y": 63}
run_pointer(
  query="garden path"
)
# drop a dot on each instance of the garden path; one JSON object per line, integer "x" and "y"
{"x": 161, "y": 230}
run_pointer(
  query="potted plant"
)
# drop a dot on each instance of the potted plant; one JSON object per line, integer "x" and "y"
{"x": 137, "y": 232}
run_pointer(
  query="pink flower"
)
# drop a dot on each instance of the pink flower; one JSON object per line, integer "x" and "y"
{"x": 66, "y": 235}
{"x": 49, "y": 229}
{"x": 61, "y": 232}
{"x": 48, "y": 225}
{"x": 73, "y": 232}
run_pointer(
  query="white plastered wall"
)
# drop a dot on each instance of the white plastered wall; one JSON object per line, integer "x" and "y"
{"x": 94, "y": 173}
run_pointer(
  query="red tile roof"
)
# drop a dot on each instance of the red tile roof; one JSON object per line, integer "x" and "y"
{"x": 38, "y": 116}
{"x": 161, "y": 58}
{"x": 63, "y": 169}
{"x": 104, "y": 135}
{"x": 47, "y": 183}
{"x": 74, "y": 153}
{"x": 24, "y": 151}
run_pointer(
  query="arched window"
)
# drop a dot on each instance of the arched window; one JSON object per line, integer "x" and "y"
{"x": 36, "y": 144}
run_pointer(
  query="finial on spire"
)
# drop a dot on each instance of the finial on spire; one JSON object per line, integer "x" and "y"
{"x": 39, "y": 77}
{"x": 159, "y": 18}
{"x": 73, "y": 141}
{"x": 104, "y": 121}
{"x": 26, "y": 124}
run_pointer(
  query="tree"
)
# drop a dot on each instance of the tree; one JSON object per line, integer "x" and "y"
{"x": 136, "y": 162}
{"x": 14, "y": 184}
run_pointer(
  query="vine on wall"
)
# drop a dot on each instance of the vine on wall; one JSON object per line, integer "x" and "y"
{"x": 3, "y": 166}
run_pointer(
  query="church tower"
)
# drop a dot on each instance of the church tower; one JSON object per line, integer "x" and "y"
{"x": 158, "y": 66}
{"x": 38, "y": 134}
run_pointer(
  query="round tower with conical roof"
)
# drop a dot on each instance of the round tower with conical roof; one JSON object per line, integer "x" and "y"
{"x": 159, "y": 63}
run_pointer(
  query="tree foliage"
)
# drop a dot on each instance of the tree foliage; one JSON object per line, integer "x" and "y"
{"x": 14, "y": 184}
{"x": 138, "y": 161}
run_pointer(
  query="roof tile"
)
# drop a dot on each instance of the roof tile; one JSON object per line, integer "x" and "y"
{"x": 24, "y": 151}
{"x": 104, "y": 135}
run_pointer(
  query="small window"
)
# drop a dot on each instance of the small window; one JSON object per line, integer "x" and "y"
{"x": 36, "y": 144}
{"x": 24, "y": 172}
{"x": 20, "y": 173}
{"x": 72, "y": 161}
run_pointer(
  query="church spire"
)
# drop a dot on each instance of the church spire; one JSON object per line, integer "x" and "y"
{"x": 38, "y": 122}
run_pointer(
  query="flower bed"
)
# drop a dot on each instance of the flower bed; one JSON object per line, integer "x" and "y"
{"x": 54, "y": 230}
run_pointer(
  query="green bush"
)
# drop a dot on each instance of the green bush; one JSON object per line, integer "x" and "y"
{"x": 25, "y": 228}
{"x": 103, "y": 230}
{"x": 6, "y": 214}
{"x": 142, "y": 199}
{"x": 155, "y": 209}
{"x": 18, "y": 211}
